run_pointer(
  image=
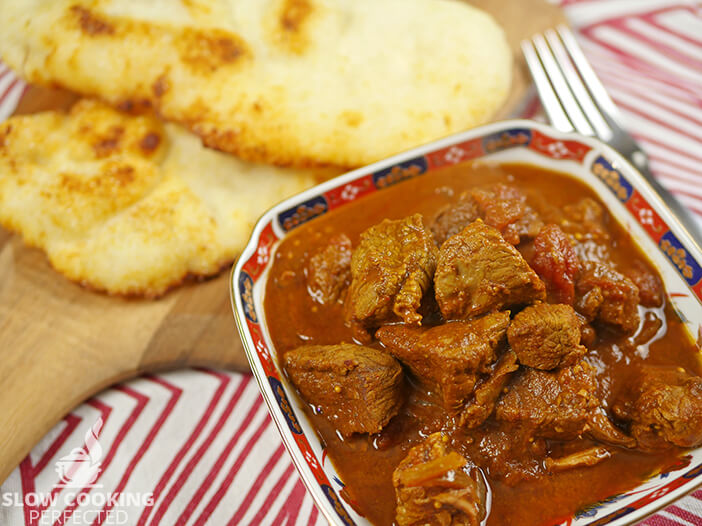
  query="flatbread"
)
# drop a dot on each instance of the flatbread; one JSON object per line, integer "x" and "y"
{"x": 289, "y": 82}
{"x": 126, "y": 204}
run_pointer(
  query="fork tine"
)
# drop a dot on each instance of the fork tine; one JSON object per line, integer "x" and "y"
{"x": 554, "y": 73}
{"x": 592, "y": 113}
{"x": 549, "y": 100}
{"x": 594, "y": 86}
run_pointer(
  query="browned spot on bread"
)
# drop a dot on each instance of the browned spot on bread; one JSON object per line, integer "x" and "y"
{"x": 114, "y": 175}
{"x": 206, "y": 51}
{"x": 4, "y": 132}
{"x": 161, "y": 86}
{"x": 109, "y": 143}
{"x": 235, "y": 141}
{"x": 120, "y": 174}
{"x": 134, "y": 106}
{"x": 215, "y": 139}
{"x": 352, "y": 118}
{"x": 294, "y": 14}
{"x": 290, "y": 31}
{"x": 91, "y": 24}
{"x": 150, "y": 142}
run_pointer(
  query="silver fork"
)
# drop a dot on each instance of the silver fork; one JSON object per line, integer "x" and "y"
{"x": 575, "y": 100}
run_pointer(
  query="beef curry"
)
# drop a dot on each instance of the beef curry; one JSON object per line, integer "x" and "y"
{"x": 483, "y": 344}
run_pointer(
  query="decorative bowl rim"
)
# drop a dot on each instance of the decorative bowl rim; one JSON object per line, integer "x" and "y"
{"x": 329, "y": 507}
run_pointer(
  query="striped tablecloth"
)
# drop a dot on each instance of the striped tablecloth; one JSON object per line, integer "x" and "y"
{"x": 197, "y": 446}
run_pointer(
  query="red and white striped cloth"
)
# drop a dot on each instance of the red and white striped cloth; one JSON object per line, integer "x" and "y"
{"x": 198, "y": 446}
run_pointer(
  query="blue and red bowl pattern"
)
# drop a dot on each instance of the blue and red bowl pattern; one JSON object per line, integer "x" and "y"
{"x": 538, "y": 141}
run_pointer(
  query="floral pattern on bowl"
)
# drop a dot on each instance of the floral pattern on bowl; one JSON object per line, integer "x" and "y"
{"x": 623, "y": 190}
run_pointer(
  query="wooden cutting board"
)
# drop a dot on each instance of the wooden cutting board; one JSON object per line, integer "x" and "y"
{"x": 60, "y": 343}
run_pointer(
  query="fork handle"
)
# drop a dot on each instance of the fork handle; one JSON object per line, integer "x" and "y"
{"x": 640, "y": 160}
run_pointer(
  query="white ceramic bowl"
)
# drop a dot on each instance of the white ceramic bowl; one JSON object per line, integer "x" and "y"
{"x": 629, "y": 199}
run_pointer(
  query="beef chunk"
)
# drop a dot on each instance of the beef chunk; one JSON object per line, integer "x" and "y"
{"x": 587, "y": 332}
{"x": 486, "y": 394}
{"x": 500, "y": 206}
{"x": 650, "y": 287}
{"x": 546, "y": 336}
{"x": 434, "y": 487}
{"x": 447, "y": 358}
{"x": 509, "y": 453}
{"x": 357, "y": 388}
{"x": 608, "y": 296}
{"x": 329, "y": 271}
{"x": 559, "y": 405}
{"x": 667, "y": 410}
{"x": 527, "y": 226}
{"x": 588, "y": 303}
{"x": 585, "y": 219}
{"x": 556, "y": 263}
{"x": 391, "y": 269}
{"x": 453, "y": 218}
{"x": 504, "y": 207}
{"x": 479, "y": 272}
{"x": 586, "y": 222}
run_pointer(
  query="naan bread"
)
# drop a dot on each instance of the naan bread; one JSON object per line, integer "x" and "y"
{"x": 289, "y": 82}
{"x": 127, "y": 205}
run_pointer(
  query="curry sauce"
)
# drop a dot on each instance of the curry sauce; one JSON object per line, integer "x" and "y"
{"x": 519, "y": 494}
